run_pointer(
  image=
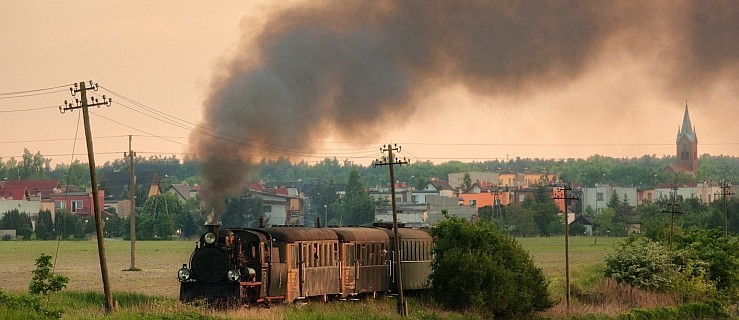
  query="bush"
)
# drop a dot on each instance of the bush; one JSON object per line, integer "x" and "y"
{"x": 642, "y": 263}
{"x": 478, "y": 268}
{"x": 719, "y": 253}
{"x": 650, "y": 265}
{"x": 44, "y": 281}
{"x": 27, "y": 307}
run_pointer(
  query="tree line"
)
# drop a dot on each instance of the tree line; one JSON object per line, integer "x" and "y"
{"x": 647, "y": 170}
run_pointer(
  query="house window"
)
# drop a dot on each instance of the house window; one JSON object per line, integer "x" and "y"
{"x": 473, "y": 202}
{"x": 76, "y": 205}
{"x": 267, "y": 208}
{"x": 59, "y": 205}
{"x": 599, "y": 196}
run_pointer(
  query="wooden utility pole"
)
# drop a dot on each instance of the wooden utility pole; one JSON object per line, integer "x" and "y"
{"x": 567, "y": 199}
{"x": 132, "y": 198}
{"x": 391, "y": 162}
{"x": 84, "y": 105}
{"x": 672, "y": 211}
{"x": 725, "y": 186}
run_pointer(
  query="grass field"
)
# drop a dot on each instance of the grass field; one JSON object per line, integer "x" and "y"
{"x": 78, "y": 260}
{"x": 160, "y": 260}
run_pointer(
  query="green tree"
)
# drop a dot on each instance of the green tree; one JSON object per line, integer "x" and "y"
{"x": 358, "y": 206}
{"x": 242, "y": 211}
{"x": 506, "y": 283}
{"x": 44, "y": 226}
{"x": 467, "y": 182}
{"x": 545, "y": 211}
{"x": 18, "y": 221}
{"x": 519, "y": 221}
{"x": 44, "y": 281}
{"x": 33, "y": 166}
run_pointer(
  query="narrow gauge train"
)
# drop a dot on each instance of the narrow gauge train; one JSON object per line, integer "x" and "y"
{"x": 284, "y": 264}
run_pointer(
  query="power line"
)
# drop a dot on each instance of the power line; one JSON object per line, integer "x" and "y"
{"x": 28, "y": 109}
{"x": 277, "y": 148}
{"x": 34, "y": 90}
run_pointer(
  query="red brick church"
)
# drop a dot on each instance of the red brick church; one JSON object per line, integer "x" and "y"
{"x": 687, "y": 148}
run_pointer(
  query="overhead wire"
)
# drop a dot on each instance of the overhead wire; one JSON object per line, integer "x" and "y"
{"x": 66, "y": 193}
{"x": 279, "y": 149}
{"x": 219, "y": 134}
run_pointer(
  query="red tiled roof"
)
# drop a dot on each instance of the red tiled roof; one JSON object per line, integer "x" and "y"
{"x": 44, "y": 188}
{"x": 256, "y": 186}
{"x": 679, "y": 167}
{"x": 13, "y": 194}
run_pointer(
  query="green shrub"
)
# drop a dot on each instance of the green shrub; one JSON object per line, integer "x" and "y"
{"x": 650, "y": 265}
{"x": 25, "y": 306}
{"x": 642, "y": 263}
{"x": 478, "y": 268}
{"x": 44, "y": 281}
{"x": 719, "y": 253}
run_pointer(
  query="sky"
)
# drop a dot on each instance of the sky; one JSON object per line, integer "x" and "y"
{"x": 340, "y": 79}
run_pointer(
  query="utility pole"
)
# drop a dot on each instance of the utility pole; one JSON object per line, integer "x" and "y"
{"x": 567, "y": 199}
{"x": 497, "y": 210}
{"x": 725, "y": 186}
{"x": 672, "y": 211}
{"x": 132, "y": 197}
{"x": 391, "y": 162}
{"x": 83, "y": 104}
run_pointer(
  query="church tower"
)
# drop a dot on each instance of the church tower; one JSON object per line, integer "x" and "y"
{"x": 687, "y": 147}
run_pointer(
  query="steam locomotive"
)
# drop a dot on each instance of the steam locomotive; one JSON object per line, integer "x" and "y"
{"x": 285, "y": 264}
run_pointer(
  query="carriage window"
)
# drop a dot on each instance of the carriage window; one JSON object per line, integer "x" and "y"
{"x": 307, "y": 255}
{"x": 350, "y": 255}
{"x": 336, "y": 253}
{"x": 293, "y": 256}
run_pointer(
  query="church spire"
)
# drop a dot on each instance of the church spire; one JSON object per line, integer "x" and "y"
{"x": 687, "y": 128}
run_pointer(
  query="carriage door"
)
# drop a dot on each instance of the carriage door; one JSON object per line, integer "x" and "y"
{"x": 302, "y": 248}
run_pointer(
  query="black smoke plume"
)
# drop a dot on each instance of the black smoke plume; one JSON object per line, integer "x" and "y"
{"x": 351, "y": 68}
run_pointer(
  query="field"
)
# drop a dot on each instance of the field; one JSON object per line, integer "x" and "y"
{"x": 159, "y": 261}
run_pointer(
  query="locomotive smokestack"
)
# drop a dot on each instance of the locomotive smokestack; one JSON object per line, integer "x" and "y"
{"x": 261, "y": 221}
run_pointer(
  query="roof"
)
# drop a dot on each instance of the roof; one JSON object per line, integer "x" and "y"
{"x": 407, "y": 233}
{"x": 585, "y": 220}
{"x": 43, "y": 188}
{"x": 293, "y": 234}
{"x": 679, "y": 167}
{"x": 116, "y": 183}
{"x": 182, "y": 189}
{"x": 361, "y": 234}
{"x": 13, "y": 194}
{"x": 441, "y": 185}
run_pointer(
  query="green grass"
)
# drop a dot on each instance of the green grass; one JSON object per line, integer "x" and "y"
{"x": 152, "y": 292}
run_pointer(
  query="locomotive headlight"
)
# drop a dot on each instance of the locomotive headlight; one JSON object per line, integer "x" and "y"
{"x": 210, "y": 238}
{"x": 234, "y": 275}
{"x": 183, "y": 274}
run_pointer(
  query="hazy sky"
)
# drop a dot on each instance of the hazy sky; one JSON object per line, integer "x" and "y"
{"x": 559, "y": 81}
